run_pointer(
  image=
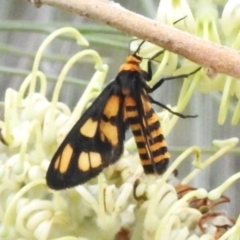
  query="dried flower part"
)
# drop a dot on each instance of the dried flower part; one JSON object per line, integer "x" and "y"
{"x": 211, "y": 222}
{"x": 203, "y": 205}
{"x": 215, "y": 223}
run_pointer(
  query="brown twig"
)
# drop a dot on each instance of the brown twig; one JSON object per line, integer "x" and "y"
{"x": 205, "y": 53}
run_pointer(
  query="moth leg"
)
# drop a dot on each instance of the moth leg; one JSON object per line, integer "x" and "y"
{"x": 161, "y": 81}
{"x": 171, "y": 111}
{"x": 148, "y": 73}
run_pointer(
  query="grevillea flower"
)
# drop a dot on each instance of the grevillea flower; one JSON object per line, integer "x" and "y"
{"x": 217, "y": 21}
{"x": 122, "y": 202}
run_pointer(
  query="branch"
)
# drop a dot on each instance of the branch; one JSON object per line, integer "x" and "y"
{"x": 205, "y": 53}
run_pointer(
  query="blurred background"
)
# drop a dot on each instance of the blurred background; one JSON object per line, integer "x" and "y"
{"x": 23, "y": 28}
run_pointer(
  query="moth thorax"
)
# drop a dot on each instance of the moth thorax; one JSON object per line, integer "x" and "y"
{"x": 133, "y": 59}
{"x": 131, "y": 64}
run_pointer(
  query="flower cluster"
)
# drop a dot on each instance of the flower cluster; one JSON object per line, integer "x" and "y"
{"x": 122, "y": 202}
{"x": 217, "y": 21}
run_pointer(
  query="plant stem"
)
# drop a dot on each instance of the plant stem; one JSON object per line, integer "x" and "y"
{"x": 216, "y": 57}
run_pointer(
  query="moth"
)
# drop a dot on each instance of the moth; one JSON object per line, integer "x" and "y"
{"x": 96, "y": 140}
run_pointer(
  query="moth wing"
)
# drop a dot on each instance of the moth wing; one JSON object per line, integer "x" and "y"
{"x": 95, "y": 142}
{"x": 148, "y": 134}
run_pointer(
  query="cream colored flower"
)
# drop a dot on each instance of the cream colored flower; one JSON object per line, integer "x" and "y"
{"x": 122, "y": 202}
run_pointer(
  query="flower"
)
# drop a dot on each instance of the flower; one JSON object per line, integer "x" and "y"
{"x": 121, "y": 203}
{"x": 214, "y": 21}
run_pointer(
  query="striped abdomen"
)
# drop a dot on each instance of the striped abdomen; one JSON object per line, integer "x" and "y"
{"x": 149, "y": 138}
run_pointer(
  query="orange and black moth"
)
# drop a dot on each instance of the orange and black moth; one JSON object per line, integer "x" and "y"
{"x": 96, "y": 140}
